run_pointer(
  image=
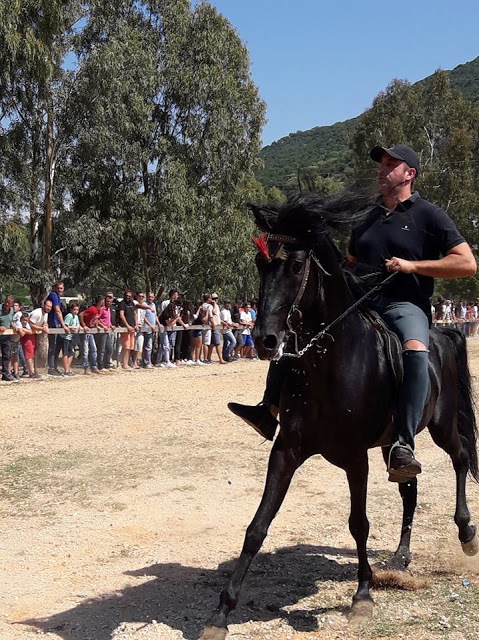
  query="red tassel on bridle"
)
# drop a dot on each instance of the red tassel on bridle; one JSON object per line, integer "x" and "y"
{"x": 261, "y": 246}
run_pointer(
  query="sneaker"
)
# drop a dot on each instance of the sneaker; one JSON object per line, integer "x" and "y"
{"x": 69, "y": 374}
{"x": 25, "y": 374}
{"x": 16, "y": 376}
{"x": 8, "y": 378}
{"x": 54, "y": 373}
{"x": 170, "y": 365}
{"x": 402, "y": 465}
{"x": 160, "y": 365}
{"x": 35, "y": 376}
{"x": 189, "y": 363}
{"x": 206, "y": 361}
{"x": 149, "y": 366}
{"x": 258, "y": 417}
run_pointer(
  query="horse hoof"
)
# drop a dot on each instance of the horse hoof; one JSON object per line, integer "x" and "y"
{"x": 361, "y": 611}
{"x": 472, "y": 547}
{"x": 213, "y": 633}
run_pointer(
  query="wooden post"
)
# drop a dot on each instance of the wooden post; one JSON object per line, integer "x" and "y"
{"x": 41, "y": 351}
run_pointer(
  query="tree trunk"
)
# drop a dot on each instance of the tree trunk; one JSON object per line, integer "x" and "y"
{"x": 143, "y": 250}
{"x": 49, "y": 178}
{"x": 41, "y": 351}
{"x": 37, "y": 290}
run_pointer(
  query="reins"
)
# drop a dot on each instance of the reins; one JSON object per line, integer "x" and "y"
{"x": 340, "y": 318}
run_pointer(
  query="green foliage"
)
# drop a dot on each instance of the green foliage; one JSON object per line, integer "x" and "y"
{"x": 160, "y": 170}
{"x": 458, "y": 289}
{"x": 275, "y": 197}
{"x": 13, "y": 247}
{"x": 329, "y": 148}
{"x": 148, "y": 143}
{"x": 325, "y": 148}
{"x": 34, "y": 118}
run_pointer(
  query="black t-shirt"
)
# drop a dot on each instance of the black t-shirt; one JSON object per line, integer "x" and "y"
{"x": 235, "y": 314}
{"x": 414, "y": 230}
{"x": 128, "y": 309}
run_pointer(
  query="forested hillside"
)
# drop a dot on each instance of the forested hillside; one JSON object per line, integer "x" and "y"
{"x": 328, "y": 148}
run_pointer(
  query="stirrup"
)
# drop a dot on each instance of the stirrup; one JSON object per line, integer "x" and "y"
{"x": 406, "y": 472}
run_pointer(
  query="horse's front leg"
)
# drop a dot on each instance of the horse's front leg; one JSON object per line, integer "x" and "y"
{"x": 282, "y": 465}
{"x": 408, "y": 492}
{"x": 357, "y": 474}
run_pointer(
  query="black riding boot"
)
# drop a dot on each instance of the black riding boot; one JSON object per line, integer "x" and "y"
{"x": 412, "y": 397}
{"x": 259, "y": 416}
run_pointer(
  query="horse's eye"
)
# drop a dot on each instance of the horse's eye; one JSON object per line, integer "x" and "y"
{"x": 296, "y": 267}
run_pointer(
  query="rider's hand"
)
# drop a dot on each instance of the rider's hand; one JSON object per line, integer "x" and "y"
{"x": 399, "y": 265}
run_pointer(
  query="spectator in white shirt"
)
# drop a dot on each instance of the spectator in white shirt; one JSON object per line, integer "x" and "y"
{"x": 229, "y": 341}
{"x": 247, "y": 323}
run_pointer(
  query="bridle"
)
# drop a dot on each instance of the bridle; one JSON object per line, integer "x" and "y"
{"x": 282, "y": 254}
{"x": 294, "y": 309}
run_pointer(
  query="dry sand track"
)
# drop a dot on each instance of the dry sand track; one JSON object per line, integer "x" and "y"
{"x": 121, "y": 495}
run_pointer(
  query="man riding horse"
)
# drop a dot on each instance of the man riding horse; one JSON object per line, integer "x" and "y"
{"x": 416, "y": 239}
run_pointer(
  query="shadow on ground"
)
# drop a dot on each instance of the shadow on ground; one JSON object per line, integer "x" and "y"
{"x": 184, "y": 597}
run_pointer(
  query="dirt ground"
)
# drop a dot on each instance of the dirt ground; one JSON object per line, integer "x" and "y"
{"x": 124, "y": 499}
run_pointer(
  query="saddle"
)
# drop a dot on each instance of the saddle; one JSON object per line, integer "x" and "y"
{"x": 392, "y": 346}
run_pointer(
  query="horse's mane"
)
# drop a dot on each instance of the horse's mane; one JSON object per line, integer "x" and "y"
{"x": 308, "y": 217}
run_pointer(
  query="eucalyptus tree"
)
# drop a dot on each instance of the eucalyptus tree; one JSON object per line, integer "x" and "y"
{"x": 35, "y": 38}
{"x": 160, "y": 166}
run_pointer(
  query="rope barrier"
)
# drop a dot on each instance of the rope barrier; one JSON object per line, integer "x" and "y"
{"x": 81, "y": 330}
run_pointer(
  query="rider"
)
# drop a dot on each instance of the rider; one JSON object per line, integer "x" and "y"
{"x": 407, "y": 235}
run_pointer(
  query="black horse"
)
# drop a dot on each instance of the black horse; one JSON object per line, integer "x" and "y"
{"x": 339, "y": 390}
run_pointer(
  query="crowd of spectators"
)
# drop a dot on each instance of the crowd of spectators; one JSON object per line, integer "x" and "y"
{"x": 461, "y": 314}
{"x": 151, "y": 338}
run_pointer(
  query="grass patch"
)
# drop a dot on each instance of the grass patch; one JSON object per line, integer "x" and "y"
{"x": 40, "y": 484}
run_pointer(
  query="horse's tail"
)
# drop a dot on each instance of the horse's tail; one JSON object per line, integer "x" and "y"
{"x": 466, "y": 419}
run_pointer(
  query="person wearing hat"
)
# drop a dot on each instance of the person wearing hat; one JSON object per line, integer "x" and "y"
{"x": 417, "y": 240}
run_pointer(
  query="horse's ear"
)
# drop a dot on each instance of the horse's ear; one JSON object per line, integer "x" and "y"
{"x": 265, "y": 217}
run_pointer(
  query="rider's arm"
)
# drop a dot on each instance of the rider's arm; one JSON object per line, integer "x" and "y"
{"x": 458, "y": 262}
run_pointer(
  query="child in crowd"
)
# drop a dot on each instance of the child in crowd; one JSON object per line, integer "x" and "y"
{"x": 15, "y": 347}
{"x": 27, "y": 340}
{"x": 72, "y": 321}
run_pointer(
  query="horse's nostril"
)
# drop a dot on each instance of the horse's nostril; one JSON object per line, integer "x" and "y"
{"x": 270, "y": 342}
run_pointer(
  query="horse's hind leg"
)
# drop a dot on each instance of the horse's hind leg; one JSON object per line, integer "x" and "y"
{"x": 359, "y": 526}
{"x": 457, "y": 447}
{"x": 408, "y": 492}
{"x": 282, "y": 465}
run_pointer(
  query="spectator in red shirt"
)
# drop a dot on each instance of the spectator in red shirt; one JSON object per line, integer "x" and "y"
{"x": 104, "y": 342}
{"x": 89, "y": 319}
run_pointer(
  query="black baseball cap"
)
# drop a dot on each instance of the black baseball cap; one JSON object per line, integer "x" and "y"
{"x": 399, "y": 151}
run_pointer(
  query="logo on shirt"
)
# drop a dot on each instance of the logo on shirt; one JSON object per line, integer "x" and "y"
{"x": 405, "y": 228}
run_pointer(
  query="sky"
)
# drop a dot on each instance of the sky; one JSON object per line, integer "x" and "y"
{"x": 317, "y": 62}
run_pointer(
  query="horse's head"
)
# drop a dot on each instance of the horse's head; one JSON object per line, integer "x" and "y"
{"x": 297, "y": 261}
{"x": 286, "y": 266}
